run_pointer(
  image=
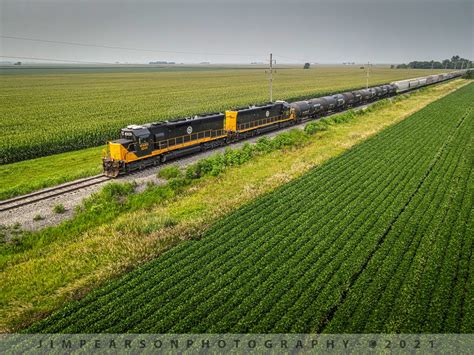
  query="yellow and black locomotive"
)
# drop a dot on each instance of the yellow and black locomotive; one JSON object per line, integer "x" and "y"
{"x": 145, "y": 145}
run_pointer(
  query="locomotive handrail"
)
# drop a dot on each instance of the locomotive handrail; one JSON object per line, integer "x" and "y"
{"x": 260, "y": 122}
{"x": 167, "y": 143}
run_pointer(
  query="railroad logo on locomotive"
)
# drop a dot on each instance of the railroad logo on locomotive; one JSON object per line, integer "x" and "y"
{"x": 189, "y": 130}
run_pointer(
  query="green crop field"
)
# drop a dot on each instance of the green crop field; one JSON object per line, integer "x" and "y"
{"x": 48, "y": 111}
{"x": 378, "y": 239}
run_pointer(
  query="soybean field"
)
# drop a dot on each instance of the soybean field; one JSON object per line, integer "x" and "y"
{"x": 49, "y": 111}
{"x": 379, "y": 239}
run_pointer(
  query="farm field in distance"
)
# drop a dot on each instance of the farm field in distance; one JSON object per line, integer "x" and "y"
{"x": 54, "y": 111}
{"x": 378, "y": 239}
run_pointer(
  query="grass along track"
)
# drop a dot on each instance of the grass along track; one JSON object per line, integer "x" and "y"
{"x": 51, "y": 192}
{"x": 318, "y": 252}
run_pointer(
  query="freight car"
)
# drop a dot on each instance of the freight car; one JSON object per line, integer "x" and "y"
{"x": 150, "y": 144}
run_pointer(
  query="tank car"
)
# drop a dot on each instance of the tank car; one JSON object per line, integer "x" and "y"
{"x": 329, "y": 102}
{"x": 300, "y": 109}
{"x": 340, "y": 102}
{"x": 318, "y": 106}
{"x": 350, "y": 99}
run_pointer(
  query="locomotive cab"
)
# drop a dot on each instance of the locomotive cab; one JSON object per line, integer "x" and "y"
{"x": 134, "y": 142}
{"x": 141, "y": 138}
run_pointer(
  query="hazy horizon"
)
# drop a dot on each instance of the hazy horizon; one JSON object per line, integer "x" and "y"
{"x": 237, "y": 32}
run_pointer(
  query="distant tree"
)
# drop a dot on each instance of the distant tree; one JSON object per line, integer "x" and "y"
{"x": 469, "y": 74}
{"x": 306, "y": 66}
{"x": 456, "y": 62}
{"x": 392, "y": 66}
{"x": 17, "y": 63}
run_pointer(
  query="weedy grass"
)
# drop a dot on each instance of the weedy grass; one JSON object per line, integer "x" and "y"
{"x": 375, "y": 240}
{"x": 16, "y": 179}
{"x": 169, "y": 172}
{"x": 59, "y": 209}
{"x": 118, "y": 231}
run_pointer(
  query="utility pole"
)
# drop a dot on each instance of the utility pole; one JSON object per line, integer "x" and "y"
{"x": 432, "y": 64}
{"x": 270, "y": 77}
{"x": 367, "y": 76}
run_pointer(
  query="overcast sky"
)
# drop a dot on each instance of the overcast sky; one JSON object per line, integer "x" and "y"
{"x": 231, "y": 31}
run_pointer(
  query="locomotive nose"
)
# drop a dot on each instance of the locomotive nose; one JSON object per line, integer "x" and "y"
{"x": 111, "y": 167}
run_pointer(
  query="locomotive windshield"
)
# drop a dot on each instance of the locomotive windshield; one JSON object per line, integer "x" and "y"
{"x": 126, "y": 134}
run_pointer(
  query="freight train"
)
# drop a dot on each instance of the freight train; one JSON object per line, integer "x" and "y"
{"x": 150, "y": 144}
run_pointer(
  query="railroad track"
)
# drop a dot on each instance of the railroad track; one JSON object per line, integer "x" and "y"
{"x": 51, "y": 192}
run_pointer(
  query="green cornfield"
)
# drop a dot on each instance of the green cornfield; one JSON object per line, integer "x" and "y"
{"x": 378, "y": 239}
{"x": 51, "y": 111}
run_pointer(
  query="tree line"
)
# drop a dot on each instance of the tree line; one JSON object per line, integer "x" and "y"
{"x": 456, "y": 62}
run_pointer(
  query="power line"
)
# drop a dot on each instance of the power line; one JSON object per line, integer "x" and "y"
{"x": 53, "y": 60}
{"x": 149, "y": 50}
{"x": 124, "y": 48}
{"x": 290, "y": 58}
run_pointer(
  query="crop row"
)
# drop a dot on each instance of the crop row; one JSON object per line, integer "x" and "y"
{"x": 413, "y": 253}
{"x": 373, "y": 240}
